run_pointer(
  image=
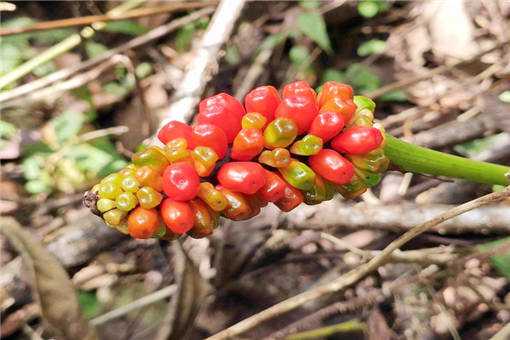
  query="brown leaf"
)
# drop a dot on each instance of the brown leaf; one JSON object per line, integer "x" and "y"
{"x": 186, "y": 303}
{"x": 51, "y": 286}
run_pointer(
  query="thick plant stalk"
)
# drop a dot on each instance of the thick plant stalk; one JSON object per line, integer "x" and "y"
{"x": 413, "y": 158}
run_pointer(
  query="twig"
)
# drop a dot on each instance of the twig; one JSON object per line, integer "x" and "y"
{"x": 503, "y": 334}
{"x": 438, "y": 70}
{"x": 90, "y": 19}
{"x": 137, "y": 304}
{"x": 62, "y": 47}
{"x": 316, "y": 317}
{"x": 397, "y": 218}
{"x": 354, "y": 275}
{"x": 343, "y": 327}
{"x": 202, "y": 67}
{"x": 134, "y": 43}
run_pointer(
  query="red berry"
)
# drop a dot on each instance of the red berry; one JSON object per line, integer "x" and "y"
{"x": 220, "y": 116}
{"x": 264, "y": 100}
{"x": 174, "y": 129}
{"x": 244, "y": 177}
{"x": 346, "y": 107}
{"x": 247, "y": 144}
{"x": 274, "y": 189}
{"x": 292, "y": 197}
{"x": 331, "y": 89}
{"x": 327, "y": 125}
{"x": 211, "y": 136}
{"x": 225, "y": 100}
{"x": 143, "y": 223}
{"x": 299, "y": 88}
{"x": 301, "y": 109}
{"x": 357, "y": 140}
{"x": 177, "y": 216}
{"x": 181, "y": 181}
{"x": 332, "y": 166}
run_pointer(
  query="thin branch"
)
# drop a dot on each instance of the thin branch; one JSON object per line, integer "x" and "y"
{"x": 134, "y": 43}
{"x": 438, "y": 70}
{"x": 355, "y": 275}
{"x": 137, "y": 304}
{"x": 62, "y": 47}
{"x": 90, "y": 19}
{"x": 203, "y": 65}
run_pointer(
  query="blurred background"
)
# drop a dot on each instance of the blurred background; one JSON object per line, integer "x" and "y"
{"x": 83, "y": 84}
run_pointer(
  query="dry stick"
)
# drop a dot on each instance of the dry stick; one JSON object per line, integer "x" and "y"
{"x": 72, "y": 83}
{"x": 134, "y": 43}
{"x": 63, "y": 46}
{"x": 438, "y": 70}
{"x": 137, "y": 304}
{"x": 90, "y": 19}
{"x": 202, "y": 66}
{"x": 353, "y": 276}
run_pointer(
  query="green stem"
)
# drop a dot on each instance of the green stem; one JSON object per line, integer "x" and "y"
{"x": 417, "y": 159}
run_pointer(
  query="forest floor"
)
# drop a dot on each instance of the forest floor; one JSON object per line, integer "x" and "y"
{"x": 79, "y": 96}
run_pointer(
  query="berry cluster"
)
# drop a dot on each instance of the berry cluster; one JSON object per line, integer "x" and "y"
{"x": 289, "y": 149}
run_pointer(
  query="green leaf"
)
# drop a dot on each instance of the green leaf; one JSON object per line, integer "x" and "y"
{"x": 93, "y": 49}
{"x": 11, "y": 57}
{"x": 143, "y": 70}
{"x": 51, "y": 37}
{"x": 129, "y": 27}
{"x": 184, "y": 37}
{"x": 368, "y": 9}
{"x": 362, "y": 78}
{"x": 394, "y": 96}
{"x": 309, "y": 4}
{"x": 505, "y": 96}
{"x": 116, "y": 89}
{"x": 232, "y": 56}
{"x": 313, "y": 26}
{"x": 44, "y": 69}
{"x": 7, "y": 130}
{"x": 37, "y": 187}
{"x": 89, "y": 304}
{"x": 331, "y": 74}
{"x": 67, "y": 125}
{"x": 501, "y": 262}
{"x": 363, "y": 102}
{"x": 32, "y": 166}
{"x": 372, "y": 46}
{"x": 299, "y": 55}
{"x": 273, "y": 40}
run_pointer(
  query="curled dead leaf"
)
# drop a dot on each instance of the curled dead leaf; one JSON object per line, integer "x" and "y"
{"x": 51, "y": 286}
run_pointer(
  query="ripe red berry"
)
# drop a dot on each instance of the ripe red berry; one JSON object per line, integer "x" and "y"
{"x": 292, "y": 197}
{"x": 177, "y": 216}
{"x": 327, "y": 125}
{"x": 143, "y": 223}
{"x": 264, "y": 100}
{"x": 181, "y": 181}
{"x": 211, "y": 136}
{"x": 299, "y": 88}
{"x": 217, "y": 111}
{"x": 346, "y": 107}
{"x": 357, "y": 140}
{"x": 332, "y": 166}
{"x": 244, "y": 177}
{"x": 174, "y": 129}
{"x": 331, "y": 89}
{"x": 247, "y": 144}
{"x": 301, "y": 109}
{"x": 225, "y": 100}
{"x": 274, "y": 189}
